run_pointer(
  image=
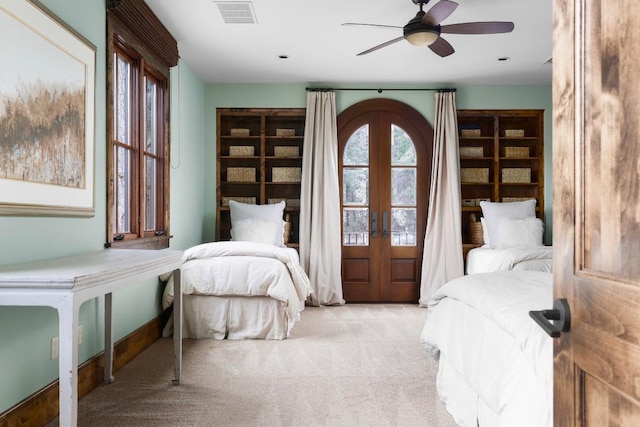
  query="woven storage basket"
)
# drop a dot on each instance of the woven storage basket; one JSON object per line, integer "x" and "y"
{"x": 241, "y": 174}
{"x": 240, "y": 132}
{"x": 247, "y": 200}
{"x": 466, "y": 133}
{"x": 471, "y": 152}
{"x": 241, "y": 150}
{"x": 285, "y": 132}
{"x": 514, "y": 132}
{"x": 516, "y": 175}
{"x": 286, "y": 151}
{"x": 474, "y": 175}
{"x": 293, "y": 202}
{"x": 515, "y": 199}
{"x": 518, "y": 152}
{"x": 276, "y": 200}
{"x": 475, "y": 232}
{"x": 286, "y": 174}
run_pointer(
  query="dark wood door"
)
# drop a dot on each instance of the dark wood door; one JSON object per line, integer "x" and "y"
{"x": 384, "y": 161}
{"x": 596, "y": 155}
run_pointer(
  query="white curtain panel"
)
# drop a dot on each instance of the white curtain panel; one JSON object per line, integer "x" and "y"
{"x": 320, "y": 245}
{"x": 442, "y": 258}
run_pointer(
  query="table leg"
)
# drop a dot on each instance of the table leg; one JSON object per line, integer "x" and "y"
{"x": 108, "y": 339}
{"x": 177, "y": 327}
{"x": 68, "y": 362}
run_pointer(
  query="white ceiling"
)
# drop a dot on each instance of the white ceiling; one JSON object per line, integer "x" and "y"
{"x": 321, "y": 50}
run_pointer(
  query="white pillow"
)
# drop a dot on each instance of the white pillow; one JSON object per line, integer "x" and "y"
{"x": 493, "y": 211}
{"x": 256, "y": 230}
{"x": 518, "y": 232}
{"x": 485, "y": 232}
{"x": 271, "y": 214}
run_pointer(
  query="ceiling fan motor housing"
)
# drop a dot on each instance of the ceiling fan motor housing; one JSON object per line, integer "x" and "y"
{"x": 416, "y": 26}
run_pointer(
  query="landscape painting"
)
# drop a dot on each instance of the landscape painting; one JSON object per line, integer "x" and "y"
{"x": 46, "y": 114}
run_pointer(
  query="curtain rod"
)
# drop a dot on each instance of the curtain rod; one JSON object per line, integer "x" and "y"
{"x": 328, "y": 89}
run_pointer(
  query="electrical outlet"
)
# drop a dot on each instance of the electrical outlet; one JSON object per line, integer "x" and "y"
{"x": 54, "y": 348}
{"x": 79, "y": 334}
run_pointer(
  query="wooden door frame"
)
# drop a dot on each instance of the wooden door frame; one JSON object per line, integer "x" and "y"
{"x": 424, "y": 147}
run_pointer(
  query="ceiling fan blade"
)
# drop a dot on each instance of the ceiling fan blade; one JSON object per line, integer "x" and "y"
{"x": 370, "y": 25}
{"x": 478, "y": 28}
{"x": 441, "y": 47}
{"x": 439, "y": 12}
{"x": 385, "y": 44}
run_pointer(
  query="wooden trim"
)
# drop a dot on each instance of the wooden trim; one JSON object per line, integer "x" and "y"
{"x": 42, "y": 406}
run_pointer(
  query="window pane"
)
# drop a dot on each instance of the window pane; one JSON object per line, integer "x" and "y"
{"x": 122, "y": 106}
{"x": 403, "y": 186}
{"x": 151, "y": 114}
{"x": 403, "y": 152}
{"x": 356, "y": 186}
{"x": 123, "y": 189}
{"x": 356, "y": 226}
{"x": 403, "y": 227}
{"x": 150, "y": 194}
{"x": 356, "y": 152}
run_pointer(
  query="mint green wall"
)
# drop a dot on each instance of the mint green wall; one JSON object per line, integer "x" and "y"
{"x": 294, "y": 95}
{"x": 26, "y": 332}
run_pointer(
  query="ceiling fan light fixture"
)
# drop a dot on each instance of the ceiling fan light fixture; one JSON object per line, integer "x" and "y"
{"x": 422, "y": 37}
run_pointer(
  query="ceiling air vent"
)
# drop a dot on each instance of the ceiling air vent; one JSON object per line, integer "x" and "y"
{"x": 236, "y": 12}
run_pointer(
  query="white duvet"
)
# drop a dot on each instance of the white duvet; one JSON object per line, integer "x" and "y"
{"x": 248, "y": 269}
{"x": 495, "y": 362}
{"x": 534, "y": 258}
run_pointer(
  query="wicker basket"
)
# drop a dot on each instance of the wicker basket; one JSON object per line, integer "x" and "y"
{"x": 514, "y": 132}
{"x": 285, "y": 132}
{"x": 516, "y": 152}
{"x": 466, "y": 133}
{"x": 241, "y": 174}
{"x": 475, "y": 231}
{"x": 516, "y": 175}
{"x": 241, "y": 150}
{"x": 474, "y": 175}
{"x": 286, "y": 151}
{"x": 247, "y": 200}
{"x": 471, "y": 152}
{"x": 286, "y": 174}
{"x": 515, "y": 199}
{"x": 240, "y": 132}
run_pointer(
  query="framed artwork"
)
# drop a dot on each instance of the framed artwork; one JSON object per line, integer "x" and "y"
{"x": 47, "y": 114}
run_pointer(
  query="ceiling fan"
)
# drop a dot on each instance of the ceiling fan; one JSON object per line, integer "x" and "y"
{"x": 425, "y": 28}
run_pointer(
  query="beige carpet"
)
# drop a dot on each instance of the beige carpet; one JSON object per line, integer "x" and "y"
{"x": 354, "y": 365}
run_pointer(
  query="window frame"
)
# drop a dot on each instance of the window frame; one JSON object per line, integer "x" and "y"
{"x": 121, "y": 41}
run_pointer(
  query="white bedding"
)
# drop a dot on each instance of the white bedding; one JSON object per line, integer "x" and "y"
{"x": 485, "y": 259}
{"x": 240, "y": 269}
{"x": 495, "y": 362}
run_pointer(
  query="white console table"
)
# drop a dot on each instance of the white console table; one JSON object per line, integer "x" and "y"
{"x": 67, "y": 282}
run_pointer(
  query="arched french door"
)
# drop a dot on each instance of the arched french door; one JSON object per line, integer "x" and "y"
{"x": 385, "y": 150}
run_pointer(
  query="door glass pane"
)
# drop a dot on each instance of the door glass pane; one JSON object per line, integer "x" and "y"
{"x": 356, "y": 151}
{"x": 403, "y": 186}
{"x": 355, "y": 186}
{"x": 403, "y": 152}
{"x": 355, "y": 225}
{"x": 403, "y": 227}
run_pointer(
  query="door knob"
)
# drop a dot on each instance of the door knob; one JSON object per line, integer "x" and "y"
{"x": 560, "y": 315}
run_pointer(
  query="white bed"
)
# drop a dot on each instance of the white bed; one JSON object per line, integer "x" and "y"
{"x": 495, "y": 362}
{"x": 240, "y": 290}
{"x": 485, "y": 259}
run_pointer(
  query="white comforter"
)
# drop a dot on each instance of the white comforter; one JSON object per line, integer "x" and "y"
{"x": 485, "y": 260}
{"x": 496, "y": 363}
{"x": 245, "y": 269}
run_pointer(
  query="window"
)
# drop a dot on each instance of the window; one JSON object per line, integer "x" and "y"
{"x": 137, "y": 130}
